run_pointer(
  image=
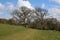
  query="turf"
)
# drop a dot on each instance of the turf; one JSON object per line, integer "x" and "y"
{"x": 11, "y": 32}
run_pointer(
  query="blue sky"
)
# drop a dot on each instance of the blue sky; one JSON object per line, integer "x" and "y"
{"x": 53, "y": 6}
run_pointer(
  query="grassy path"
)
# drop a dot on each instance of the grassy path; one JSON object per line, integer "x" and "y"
{"x": 25, "y": 35}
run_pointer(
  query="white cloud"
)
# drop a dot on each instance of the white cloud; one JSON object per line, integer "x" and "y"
{"x": 43, "y": 5}
{"x": 57, "y": 1}
{"x": 55, "y": 12}
{"x": 25, "y": 3}
{"x": 1, "y": 6}
{"x": 10, "y": 6}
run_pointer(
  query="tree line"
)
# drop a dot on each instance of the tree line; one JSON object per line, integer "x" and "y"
{"x": 33, "y": 18}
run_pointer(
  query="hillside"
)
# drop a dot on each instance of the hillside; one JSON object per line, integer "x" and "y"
{"x": 11, "y": 32}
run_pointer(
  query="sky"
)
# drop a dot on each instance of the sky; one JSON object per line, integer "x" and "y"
{"x": 53, "y": 6}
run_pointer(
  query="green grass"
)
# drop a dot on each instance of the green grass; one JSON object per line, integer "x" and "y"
{"x": 11, "y": 32}
{"x": 7, "y": 30}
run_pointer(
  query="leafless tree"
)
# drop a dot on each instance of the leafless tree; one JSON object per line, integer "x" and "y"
{"x": 41, "y": 14}
{"x": 21, "y": 15}
{"x": 25, "y": 16}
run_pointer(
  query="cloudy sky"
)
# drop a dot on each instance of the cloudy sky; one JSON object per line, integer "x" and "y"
{"x": 6, "y": 6}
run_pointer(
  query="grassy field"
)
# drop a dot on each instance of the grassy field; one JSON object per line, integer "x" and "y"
{"x": 10, "y": 32}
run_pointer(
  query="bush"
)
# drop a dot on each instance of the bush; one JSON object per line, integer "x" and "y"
{"x": 3, "y": 21}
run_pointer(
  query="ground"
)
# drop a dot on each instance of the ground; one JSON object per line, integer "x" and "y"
{"x": 11, "y": 32}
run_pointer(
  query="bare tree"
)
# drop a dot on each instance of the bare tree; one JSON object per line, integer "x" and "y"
{"x": 21, "y": 15}
{"x": 41, "y": 14}
{"x": 24, "y": 15}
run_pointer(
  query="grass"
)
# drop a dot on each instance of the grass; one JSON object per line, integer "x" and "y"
{"x": 11, "y": 32}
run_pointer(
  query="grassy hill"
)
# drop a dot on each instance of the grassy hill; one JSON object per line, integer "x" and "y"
{"x": 11, "y": 32}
